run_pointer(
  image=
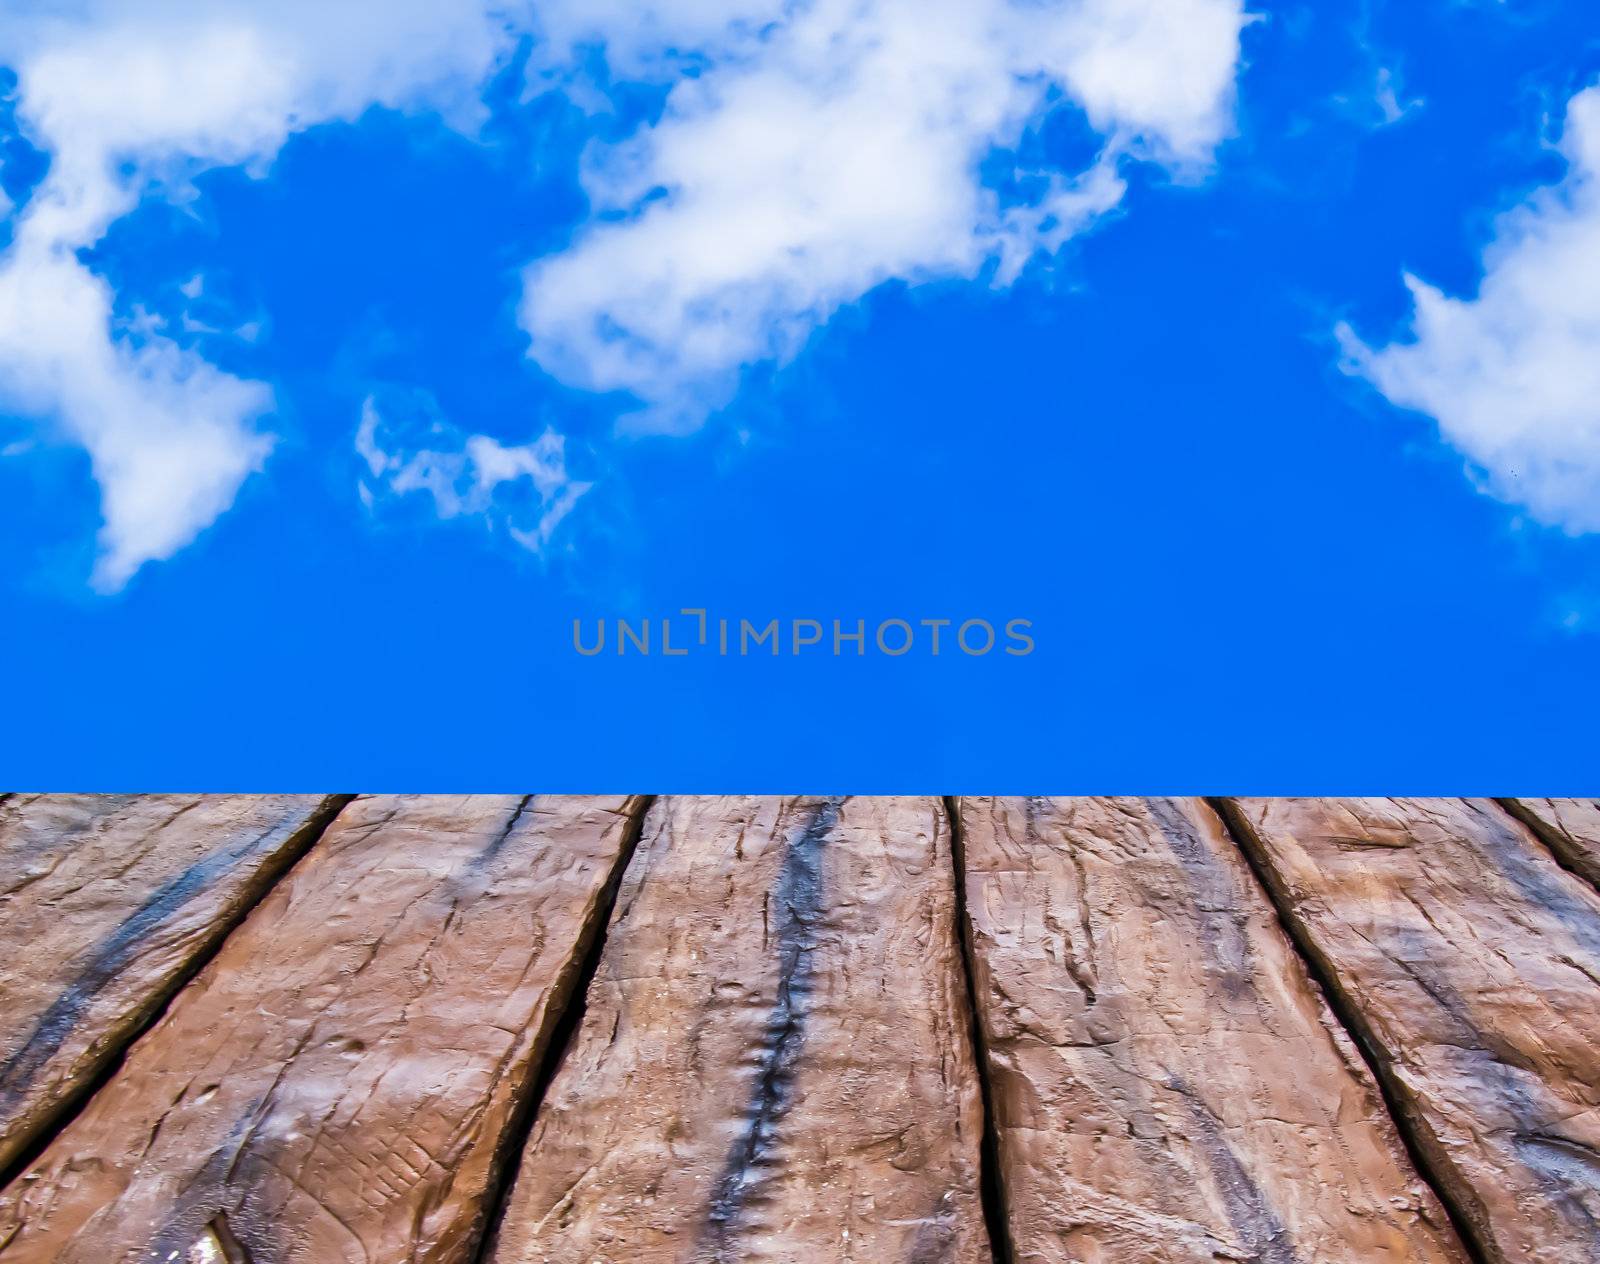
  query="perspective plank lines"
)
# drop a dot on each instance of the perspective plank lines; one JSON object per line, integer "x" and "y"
{"x": 107, "y": 904}
{"x": 1469, "y": 962}
{"x": 337, "y": 1084}
{"x": 1168, "y": 1084}
{"x": 774, "y": 1063}
{"x": 508, "y": 1029}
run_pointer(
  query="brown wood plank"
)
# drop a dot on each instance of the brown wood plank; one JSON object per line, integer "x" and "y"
{"x": 337, "y": 1085}
{"x": 1569, "y": 827}
{"x": 774, "y": 1063}
{"x": 1470, "y": 963}
{"x": 1168, "y": 1084}
{"x": 107, "y": 905}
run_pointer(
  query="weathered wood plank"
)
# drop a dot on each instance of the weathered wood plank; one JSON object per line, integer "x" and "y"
{"x": 108, "y": 902}
{"x": 336, "y": 1086}
{"x": 1569, "y": 827}
{"x": 1469, "y": 961}
{"x": 1168, "y": 1084}
{"x": 774, "y": 1063}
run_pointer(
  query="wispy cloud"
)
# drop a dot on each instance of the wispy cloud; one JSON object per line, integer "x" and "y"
{"x": 410, "y": 451}
{"x": 818, "y": 150}
{"x": 1386, "y": 95}
{"x": 1512, "y": 375}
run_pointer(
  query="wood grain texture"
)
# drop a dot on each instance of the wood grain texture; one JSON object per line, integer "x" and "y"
{"x": 1469, "y": 961}
{"x": 337, "y": 1085}
{"x": 1168, "y": 1085}
{"x": 1569, "y": 827}
{"x": 108, "y": 903}
{"x": 774, "y": 1064}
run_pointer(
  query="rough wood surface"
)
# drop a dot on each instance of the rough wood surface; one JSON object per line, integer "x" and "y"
{"x": 1470, "y": 962}
{"x": 1168, "y": 1085}
{"x": 107, "y": 904}
{"x": 774, "y": 1064}
{"x": 1569, "y": 827}
{"x": 336, "y": 1085}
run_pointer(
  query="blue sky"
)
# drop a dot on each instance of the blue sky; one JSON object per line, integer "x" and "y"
{"x": 345, "y": 361}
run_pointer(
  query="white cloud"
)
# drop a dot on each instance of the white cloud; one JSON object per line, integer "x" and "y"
{"x": 810, "y": 150}
{"x": 1513, "y": 375}
{"x": 169, "y": 437}
{"x": 824, "y": 148}
{"x": 130, "y": 94}
{"x": 524, "y": 490}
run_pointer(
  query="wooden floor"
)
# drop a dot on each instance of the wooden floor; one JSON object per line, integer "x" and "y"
{"x": 308, "y": 1029}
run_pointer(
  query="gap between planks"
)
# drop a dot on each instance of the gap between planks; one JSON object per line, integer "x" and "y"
{"x": 991, "y": 1187}
{"x": 71, "y": 1106}
{"x": 513, "y": 1142}
{"x": 1545, "y": 836}
{"x": 1348, "y": 1015}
